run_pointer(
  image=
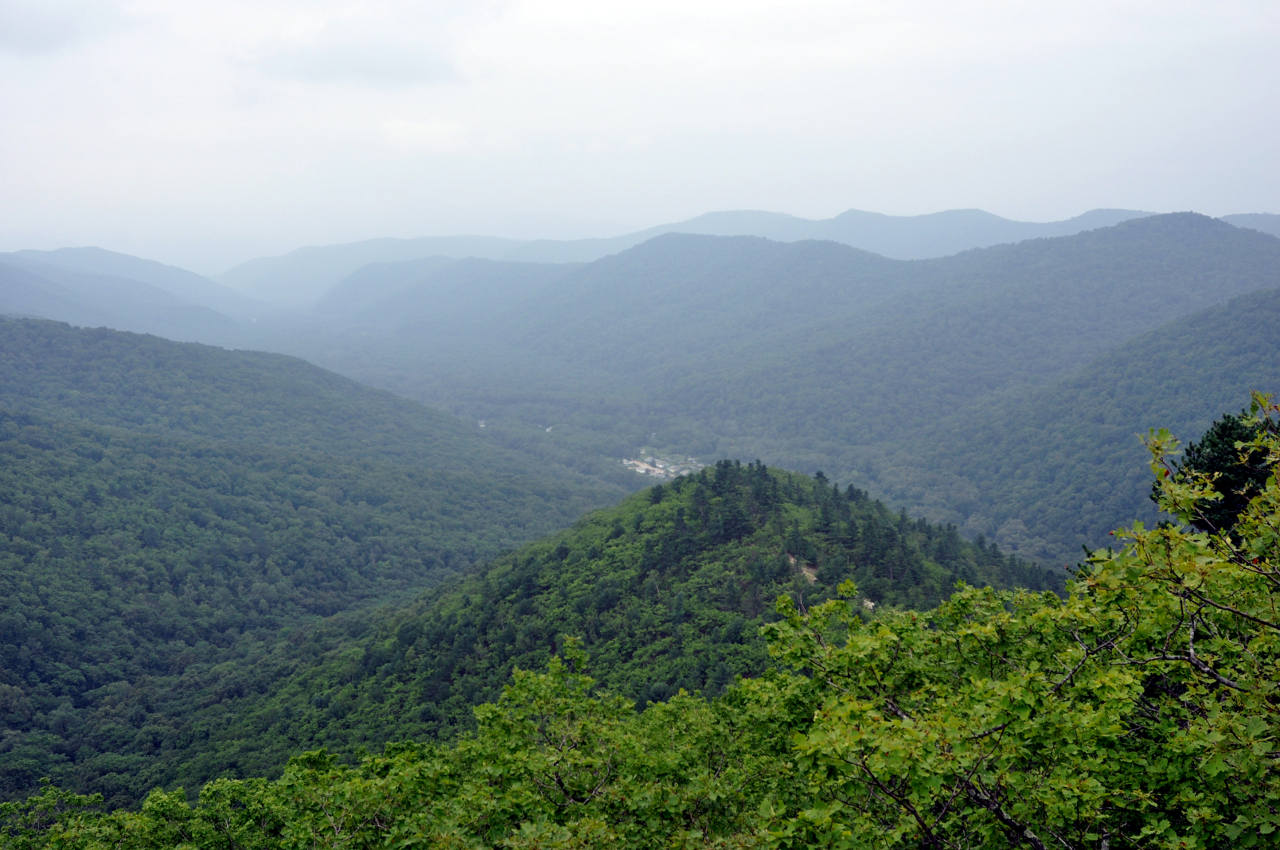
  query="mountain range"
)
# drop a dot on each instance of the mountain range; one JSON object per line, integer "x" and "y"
{"x": 806, "y": 354}
{"x": 213, "y": 558}
{"x": 307, "y": 273}
{"x": 815, "y": 355}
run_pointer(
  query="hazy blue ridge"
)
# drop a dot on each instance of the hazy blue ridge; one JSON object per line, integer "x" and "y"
{"x": 301, "y": 277}
{"x": 808, "y": 355}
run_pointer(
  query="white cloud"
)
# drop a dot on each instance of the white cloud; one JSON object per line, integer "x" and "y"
{"x": 425, "y": 135}
{"x": 358, "y": 51}
{"x": 42, "y": 26}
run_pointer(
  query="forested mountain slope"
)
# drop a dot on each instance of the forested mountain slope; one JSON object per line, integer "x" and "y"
{"x": 988, "y": 323}
{"x": 667, "y": 591}
{"x": 90, "y": 297}
{"x": 961, "y": 325}
{"x": 812, "y": 355}
{"x": 191, "y": 287}
{"x": 152, "y": 385}
{"x": 439, "y": 295}
{"x": 175, "y": 516}
{"x": 1071, "y": 447}
{"x": 1137, "y": 713}
{"x": 170, "y": 511}
{"x": 303, "y": 276}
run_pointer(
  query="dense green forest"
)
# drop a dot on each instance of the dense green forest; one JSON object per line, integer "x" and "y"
{"x": 667, "y": 591}
{"x": 200, "y": 547}
{"x": 160, "y": 589}
{"x": 1071, "y": 448}
{"x": 171, "y": 515}
{"x": 1137, "y": 711}
{"x": 150, "y": 385}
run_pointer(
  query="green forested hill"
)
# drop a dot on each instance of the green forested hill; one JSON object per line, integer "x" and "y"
{"x": 151, "y": 385}
{"x": 1136, "y": 712}
{"x": 168, "y": 510}
{"x": 951, "y": 333}
{"x": 1072, "y": 446}
{"x": 667, "y": 591}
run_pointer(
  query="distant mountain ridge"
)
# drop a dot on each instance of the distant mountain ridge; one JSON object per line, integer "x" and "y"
{"x": 190, "y": 286}
{"x": 96, "y": 300}
{"x": 304, "y": 275}
{"x": 1263, "y": 222}
{"x": 428, "y": 289}
{"x": 94, "y": 287}
{"x": 897, "y": 237}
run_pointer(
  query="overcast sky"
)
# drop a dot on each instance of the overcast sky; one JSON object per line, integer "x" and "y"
{"x": 205, "y": 133}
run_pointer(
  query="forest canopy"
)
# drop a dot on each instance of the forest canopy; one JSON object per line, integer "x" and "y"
{"x": 1138, "y": 711}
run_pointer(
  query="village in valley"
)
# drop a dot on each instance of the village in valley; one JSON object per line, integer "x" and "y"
{"x": 661, "y": 467}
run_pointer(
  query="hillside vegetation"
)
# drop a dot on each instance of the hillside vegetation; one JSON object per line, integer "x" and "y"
{"x": 666, "y": 591}
{"x": 1137, "y": 712}
{"x": 1191, "y": 367}
{"x": 171, "y": 511}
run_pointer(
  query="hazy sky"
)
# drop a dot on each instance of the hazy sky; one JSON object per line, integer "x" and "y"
{"x": 205, "y": 133}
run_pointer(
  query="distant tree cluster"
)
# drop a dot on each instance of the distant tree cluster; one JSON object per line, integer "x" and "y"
{"x": 1229, "y": 455}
